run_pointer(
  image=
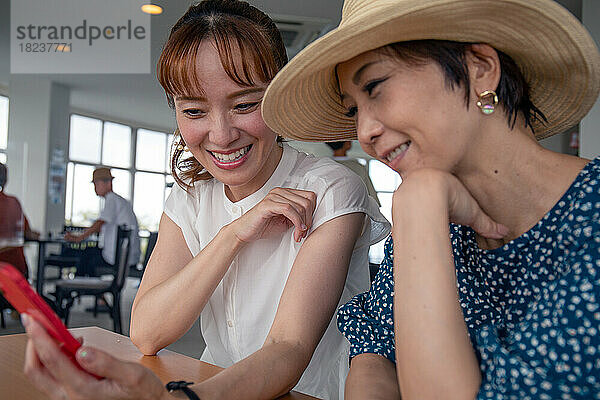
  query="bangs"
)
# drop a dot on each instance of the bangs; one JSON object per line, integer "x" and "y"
{"x": 244, "y": 52}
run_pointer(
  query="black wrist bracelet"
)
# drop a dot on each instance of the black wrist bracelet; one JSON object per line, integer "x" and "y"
{"x": 183, "y": 386}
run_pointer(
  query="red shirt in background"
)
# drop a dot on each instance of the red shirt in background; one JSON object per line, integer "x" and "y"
{"x": 13, "y": 225}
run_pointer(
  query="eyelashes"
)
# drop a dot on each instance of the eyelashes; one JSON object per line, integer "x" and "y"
{"x": 247, "y": 106}
{"x": 192, "y": 112}
{"x": 242, "y": 108}
{"x": 351, "y": 113}
{"x": 369, "y": 87}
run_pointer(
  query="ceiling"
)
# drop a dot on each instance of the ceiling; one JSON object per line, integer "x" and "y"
{"x": 137, "y": 98}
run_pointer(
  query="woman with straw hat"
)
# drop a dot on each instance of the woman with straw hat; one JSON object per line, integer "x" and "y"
{"x": 493, "y": 288}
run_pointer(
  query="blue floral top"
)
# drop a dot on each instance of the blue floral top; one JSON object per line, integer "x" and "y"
{"x": 531, "y": 306}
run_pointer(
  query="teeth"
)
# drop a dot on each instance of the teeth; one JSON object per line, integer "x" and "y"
{"x": 400, "y": 149}
{"x": 231, "y": 156}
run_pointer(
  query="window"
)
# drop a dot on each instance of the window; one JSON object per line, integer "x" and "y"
{"x": 85, "y": 139}
{"x": 116, "y": 148}
{"x": 148, "y": 198}
{"x": 151, "y": 150}
{"x": 151, "y": 176}
{"x": 3, "y": 128}
{"x": 141, "y": 176}
{"x": 386, "y": 181}
{"x": 82, "y": 205}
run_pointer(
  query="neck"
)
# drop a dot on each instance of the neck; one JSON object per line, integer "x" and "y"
{"x": 237, "y": 193}
{"x": 339, "y": 153}
{"x": 515, "y": 180}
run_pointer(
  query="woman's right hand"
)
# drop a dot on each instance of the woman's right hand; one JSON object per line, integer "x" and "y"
{"x": 51, "y": 372}
{"x": 275, "y": 214}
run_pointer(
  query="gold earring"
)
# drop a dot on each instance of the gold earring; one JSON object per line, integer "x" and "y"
{"x": 487, "y": 102}
{"x": 180, "y": 146}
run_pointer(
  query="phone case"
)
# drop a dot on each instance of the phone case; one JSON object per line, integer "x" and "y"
{"x": 19, "y": 293}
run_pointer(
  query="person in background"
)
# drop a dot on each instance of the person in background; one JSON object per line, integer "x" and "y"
{"x": 340, "y": 150}
{"x": 115, "y": 212}
{"x": 490, "y": 287}
{"x": 14, "y": 230}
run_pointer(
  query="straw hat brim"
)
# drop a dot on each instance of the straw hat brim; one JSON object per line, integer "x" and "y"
{"x": 555, "y": 53}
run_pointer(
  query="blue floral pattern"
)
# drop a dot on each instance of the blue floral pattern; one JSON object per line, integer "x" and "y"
{"x": 531, "y": 306}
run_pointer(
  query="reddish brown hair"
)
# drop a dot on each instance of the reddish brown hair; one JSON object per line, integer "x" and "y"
{"x": 250, "y": 48}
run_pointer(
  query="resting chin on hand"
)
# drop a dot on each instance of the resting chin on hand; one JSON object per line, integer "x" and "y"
{"x": 53, "y": 373}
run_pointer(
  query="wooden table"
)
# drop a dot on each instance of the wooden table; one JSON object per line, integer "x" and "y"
{"x": 167, "y": 365}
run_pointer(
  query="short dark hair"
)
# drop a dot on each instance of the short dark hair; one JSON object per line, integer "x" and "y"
{"x": 335, "y": 145}
{"x": 512, "y": 90}
{"x": 3, "y": 174}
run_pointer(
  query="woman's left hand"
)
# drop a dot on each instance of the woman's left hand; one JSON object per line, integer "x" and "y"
{"x": 461, "y": 206}
{"x": 53, "y": 373}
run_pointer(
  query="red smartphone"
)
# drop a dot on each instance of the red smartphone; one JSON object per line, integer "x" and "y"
{"x": 15, "y": 288}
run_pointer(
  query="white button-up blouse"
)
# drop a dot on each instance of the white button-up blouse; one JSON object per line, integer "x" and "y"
{"x": 239, "y": 314}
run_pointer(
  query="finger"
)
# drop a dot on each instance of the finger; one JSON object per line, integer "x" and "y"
{"x": 302, "y": 200}
{"x": 38, "y": 375}
{"x": 56, "y": 363}
{"x": 487, "y": 227}
{"x": 103, "y": 364}
{"x": 289, "y": 211}
{"x": 306, "y": 199}
{"x": 282, "y": 199}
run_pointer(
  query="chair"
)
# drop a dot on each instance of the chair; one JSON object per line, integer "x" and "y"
{"x": 139, "y": 271}
{"x": 65, "y": 260}
{"x": 67, "y": 290}
{"x": 69, "y": 256}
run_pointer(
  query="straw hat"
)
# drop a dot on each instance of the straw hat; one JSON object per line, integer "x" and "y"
{"x": 555, "y": 52}
{"x": 101, "y": 174}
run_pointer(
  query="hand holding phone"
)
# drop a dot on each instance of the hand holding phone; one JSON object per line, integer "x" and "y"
{"x": 19, "y": 293}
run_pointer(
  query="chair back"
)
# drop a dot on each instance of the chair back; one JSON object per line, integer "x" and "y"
{"x": 149, "y": 247}
{"x": 121, "y": 257}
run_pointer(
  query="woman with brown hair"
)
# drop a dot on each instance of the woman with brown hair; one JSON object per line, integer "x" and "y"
{"x": 490, "y": 286}
{"x": 259, "y": 241}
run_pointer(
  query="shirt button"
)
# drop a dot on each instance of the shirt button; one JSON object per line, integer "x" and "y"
{"x": 230, "y": 323}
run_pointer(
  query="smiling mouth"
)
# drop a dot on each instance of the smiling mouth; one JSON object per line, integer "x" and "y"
{"x": 398, "y": 151}
{"x": 231, "y": 157}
